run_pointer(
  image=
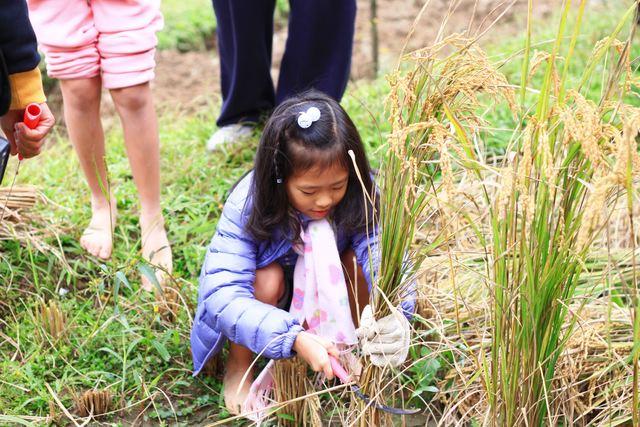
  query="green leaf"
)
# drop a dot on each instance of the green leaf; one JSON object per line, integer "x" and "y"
{"x": 162, "y": 350}
{"x": 14, "y": 420}
{"x": 286, "y": 417}
{"x": 147, "y": 271}
{"x": 120, "y": 277}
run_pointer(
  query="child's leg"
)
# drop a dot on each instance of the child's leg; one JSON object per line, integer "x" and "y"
{"x": 81, "y": 99}
{"x": 269, "y": 287}
{"x": 135, "y": 108}
{"x": 356, "y": 284}
{"x": 126, "y": 42}
{"x": 68, "y": 39}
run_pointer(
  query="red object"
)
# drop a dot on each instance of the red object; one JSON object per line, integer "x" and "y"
{"x": 32, "y": 115}
{"x": 338, "y": 370}
{"x": 31, "y": 118}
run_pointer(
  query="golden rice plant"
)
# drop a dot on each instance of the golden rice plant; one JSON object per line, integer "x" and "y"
{"x": 417, "y": 175}
{"x": 548, "y": 212}
{"x": 572, "y": 155}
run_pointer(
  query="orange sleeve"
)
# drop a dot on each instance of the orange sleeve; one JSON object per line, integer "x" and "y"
{"x": 26, "y": 87}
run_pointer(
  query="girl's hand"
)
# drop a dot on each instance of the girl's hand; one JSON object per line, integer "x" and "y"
{"x": 315, "y": 351}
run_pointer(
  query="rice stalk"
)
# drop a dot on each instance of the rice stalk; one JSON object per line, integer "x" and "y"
{"x": 572, "y": 157}
{"x": 427, "y": 136}
{"x": 93, "y": 403}
{"x": 290, "y": 381}
{"x": 51, "y": 319}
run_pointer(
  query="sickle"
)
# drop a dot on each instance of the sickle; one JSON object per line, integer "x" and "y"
{"x": 339, "y": 371}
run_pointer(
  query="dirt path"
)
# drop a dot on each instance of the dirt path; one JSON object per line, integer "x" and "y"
{"x": 190, "y": 82}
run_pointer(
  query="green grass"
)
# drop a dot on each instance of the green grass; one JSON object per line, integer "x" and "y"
{"x": 191, "y": 25}
{"x": 187, "y": 25}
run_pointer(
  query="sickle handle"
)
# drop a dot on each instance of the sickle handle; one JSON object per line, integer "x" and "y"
{"x": 338, "y": 370}
{"x": 32, "y": 115}
{"x": 31, "y": 118}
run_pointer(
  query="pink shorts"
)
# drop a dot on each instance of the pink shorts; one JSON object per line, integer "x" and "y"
{"x": 87, "y": 38}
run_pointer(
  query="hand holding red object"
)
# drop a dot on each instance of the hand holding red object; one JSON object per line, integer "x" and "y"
{"x": 23, "y": 139}
{"x": 32, "y": 115}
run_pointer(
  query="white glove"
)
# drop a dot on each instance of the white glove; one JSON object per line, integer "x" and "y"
{"x": 385, "y": 341}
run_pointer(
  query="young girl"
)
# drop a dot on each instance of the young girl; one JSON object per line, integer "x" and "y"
{"x": 108, "y": 43}
{"x": 303, "y": 189}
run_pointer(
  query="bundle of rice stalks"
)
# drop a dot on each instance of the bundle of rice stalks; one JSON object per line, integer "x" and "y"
{"x": 571, "y": 154}
{"x": 422, "y": 146}
{"x": 21, "y": 225}
{"x": 93, "y": 402}
{"x": 517, "y": 333}
{"x": 291, "y": 382}
{"x": 20, "y": 197}
{"x": 51, "y": 319}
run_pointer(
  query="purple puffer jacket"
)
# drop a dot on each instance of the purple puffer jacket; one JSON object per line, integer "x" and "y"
{"x": 227, "y": 307}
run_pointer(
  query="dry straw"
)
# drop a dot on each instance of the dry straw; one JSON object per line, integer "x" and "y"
{"x": 290, "y": 382}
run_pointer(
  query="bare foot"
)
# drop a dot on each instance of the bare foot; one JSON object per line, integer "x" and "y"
{"x": 156, "y": 250}
{"x": 97, "y": 238}
{"x": 236, "y": 391}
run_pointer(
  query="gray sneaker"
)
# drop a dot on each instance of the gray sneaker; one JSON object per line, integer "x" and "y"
{"x": 229, "y": 134}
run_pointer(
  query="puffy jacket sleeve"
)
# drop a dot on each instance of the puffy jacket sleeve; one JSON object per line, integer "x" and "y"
{"x": 20, "y": 81}
{"x": 226, "y": 290}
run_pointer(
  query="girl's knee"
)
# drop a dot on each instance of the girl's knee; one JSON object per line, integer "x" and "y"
{"x": 81, "y": 94}
{"x": 269, "y": 284}
{"x": 132, "y": 98}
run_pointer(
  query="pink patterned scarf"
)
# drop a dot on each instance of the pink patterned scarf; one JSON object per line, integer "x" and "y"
{"x": 320, "y": 303}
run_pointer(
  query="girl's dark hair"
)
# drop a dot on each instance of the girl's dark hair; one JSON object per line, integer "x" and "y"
{"x": 286, "y": 147}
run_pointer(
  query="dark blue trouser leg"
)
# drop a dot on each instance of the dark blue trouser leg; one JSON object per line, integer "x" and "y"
{"x": 245, "y": 34}
{"x": 319, "y": 47}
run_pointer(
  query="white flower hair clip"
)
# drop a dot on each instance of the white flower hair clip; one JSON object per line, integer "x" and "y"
{"x": 306, "y": 118}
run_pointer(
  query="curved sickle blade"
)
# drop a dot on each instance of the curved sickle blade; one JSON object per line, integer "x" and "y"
{"x": 339, "y": 371}
{"x": 380, "y": 406}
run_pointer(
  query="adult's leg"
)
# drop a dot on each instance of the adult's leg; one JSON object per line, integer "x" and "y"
{"x": 268, "y": 287}
{"x": 319, "y": 47}
{"x": 68, "y": 38}
{"x": 245, "y": 33}
{"x": 357, "y": 287}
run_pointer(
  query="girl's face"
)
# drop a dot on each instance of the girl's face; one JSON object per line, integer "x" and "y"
{"x": 315, "y": 192}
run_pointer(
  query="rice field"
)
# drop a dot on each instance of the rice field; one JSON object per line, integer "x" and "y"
{"x": 509, "y": 175}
